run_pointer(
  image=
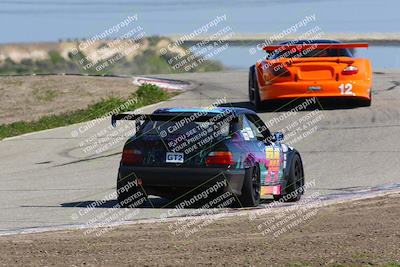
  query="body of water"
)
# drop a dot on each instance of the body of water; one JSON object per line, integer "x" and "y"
{"x": 238, "y": 57}
{"x": 50, "y": 20}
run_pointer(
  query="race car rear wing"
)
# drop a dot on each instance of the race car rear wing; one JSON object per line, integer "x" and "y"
{"x": 188, "y": 117}
{"x": 270, "y": 48}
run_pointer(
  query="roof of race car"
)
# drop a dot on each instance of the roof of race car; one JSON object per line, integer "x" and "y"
{"x": 216, "y": 110}
{"x": 316, "y": 41}
{"x": 344, "y": 51}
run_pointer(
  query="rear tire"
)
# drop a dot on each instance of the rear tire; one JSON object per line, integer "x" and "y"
{"x": 251, "y": 189}
{"x": 254, "y": 92}
{"x": 366, "y": 103}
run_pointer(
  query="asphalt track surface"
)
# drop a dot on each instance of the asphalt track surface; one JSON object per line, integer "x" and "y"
{"x": 47, "y": 179}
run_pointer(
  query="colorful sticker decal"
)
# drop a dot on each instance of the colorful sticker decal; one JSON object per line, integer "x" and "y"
{"x": 274, "y": 162}
{"x": 245, "y": 135}
{"x": 284, "y": 150}
{"x": 265, "y": 191}
{"x": 249, "y": 132}
{"x": 271, "y": 190}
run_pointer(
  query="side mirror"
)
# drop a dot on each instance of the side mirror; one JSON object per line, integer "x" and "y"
{"x": 113, "y": 121}
{"x": 278, "y": 136}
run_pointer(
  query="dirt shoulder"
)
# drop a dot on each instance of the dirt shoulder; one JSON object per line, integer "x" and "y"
{"x": 27, "y": 98}
{"x": 364, "y": 232}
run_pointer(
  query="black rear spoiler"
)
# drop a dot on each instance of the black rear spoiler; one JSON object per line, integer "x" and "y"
{"x": 189, "y": 117}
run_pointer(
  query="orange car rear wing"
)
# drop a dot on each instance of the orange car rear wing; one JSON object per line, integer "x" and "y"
{"x": 270, "y": 48}
{"x": 313, "y": 59}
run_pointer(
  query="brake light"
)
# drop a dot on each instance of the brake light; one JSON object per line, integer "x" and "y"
{"x": 132, "y": 156}
{"x": 279, "y": 69}
{"x": 350, "y": 70}
{"x": 219, "y": 158}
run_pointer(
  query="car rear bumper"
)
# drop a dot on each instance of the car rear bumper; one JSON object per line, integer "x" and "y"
{"x": 159, "y": 178}
{"x": 306, "y": 89}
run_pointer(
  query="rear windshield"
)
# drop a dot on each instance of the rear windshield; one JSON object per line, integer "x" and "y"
{"x": 310, "y": 53}
{"x": 188, "y": 129}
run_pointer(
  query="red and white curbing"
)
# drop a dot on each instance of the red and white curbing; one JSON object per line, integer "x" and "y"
{"x": 168, "y": 84}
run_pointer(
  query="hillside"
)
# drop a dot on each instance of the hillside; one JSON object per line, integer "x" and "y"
{"x": 127, "y": 56}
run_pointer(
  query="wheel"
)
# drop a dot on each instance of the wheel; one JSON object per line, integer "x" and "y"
{"x": 250, "y": 196}
{"x": 366, "y": 103}
{"x": 294, "y": 189}
{"x": 254, "y": 93}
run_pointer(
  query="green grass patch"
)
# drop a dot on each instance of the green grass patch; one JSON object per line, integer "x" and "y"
{"x": 145, "y": 95}
{"x": 45, "y": 94}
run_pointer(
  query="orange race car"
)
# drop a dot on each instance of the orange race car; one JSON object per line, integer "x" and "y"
{"x": 311, "y": 68}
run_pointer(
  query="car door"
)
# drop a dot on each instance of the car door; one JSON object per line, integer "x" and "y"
{"x": 270, "y": 152}
{"x": 252, "y": 142}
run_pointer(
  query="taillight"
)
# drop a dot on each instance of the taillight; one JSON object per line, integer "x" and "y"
{"x": 279, "y": 69}
{"x": 132, "y": 156}
{"x": 219, "y": 158}
{"x": 350, "y": 70}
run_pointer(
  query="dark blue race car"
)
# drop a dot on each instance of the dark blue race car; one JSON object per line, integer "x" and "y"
{"x": 175, "y": 150}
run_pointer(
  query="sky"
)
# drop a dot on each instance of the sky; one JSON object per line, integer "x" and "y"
{"x": 45, "y": 20}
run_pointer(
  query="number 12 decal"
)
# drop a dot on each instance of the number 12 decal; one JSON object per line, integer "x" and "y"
{"x": 346, "y": 89}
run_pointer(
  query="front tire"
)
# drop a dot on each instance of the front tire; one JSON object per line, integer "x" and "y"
{"x": 294, "y": 188}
